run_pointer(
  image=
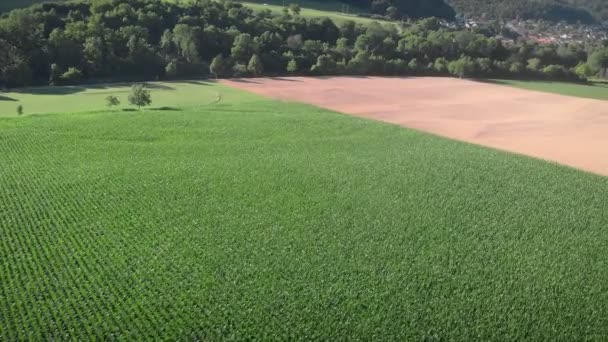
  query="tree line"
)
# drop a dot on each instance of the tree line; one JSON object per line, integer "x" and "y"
{"x": 105, "y": 40}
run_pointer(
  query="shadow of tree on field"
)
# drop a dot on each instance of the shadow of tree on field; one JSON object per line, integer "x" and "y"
{"x": 115, "y": 86}
{"x": 68, "y": 90}
{"x": 50, "y": 90}
{"x": 345, "y": 76}
{"x": 244, "y": 80}
{"x": 6, "y": 98}
{"x": 205, "y": 83}
{"x": 508, "y": 82}
{"x": 284, "y": 79}
{"x": 153, "y": 109}
{"x": 153, "y": 86}
{"x": 173, "y": 109}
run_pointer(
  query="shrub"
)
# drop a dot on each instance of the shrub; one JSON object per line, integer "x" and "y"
{"x": 598, "y": 61}
{"x": 179, "y": 69}
{"x": 441, "y": 65}
{"x": 292, "y": 66}
{"x": 534, "y": 64}
{"x": 396, "y": 66}
{"x": 483, "y": 66}
{"x": 516, "y": 68}
{"x": 359, "y": 64}
{"x": 583, "y": 70}
{"x": 413, "y": 65}
{"x": 255, "y": 66}
{"x": 73, "y": 75}
{"x": 217, "y": 66}
{"x": 55, "y": 74}
{"x": 295, "y": 9}
{"x": 112, "y": 101}
{"x": 140, "y": 96}
{"x": 325, "y": 65}
{"x": 554, "y": 71}
{"x": 171, "y": 70}
{"x": 462, "y": 67}
{"x": 239, "y": 70}
{"x": 19, "y": 110}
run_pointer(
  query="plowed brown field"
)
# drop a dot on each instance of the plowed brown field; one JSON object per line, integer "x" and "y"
{"x": 567, "y": 130}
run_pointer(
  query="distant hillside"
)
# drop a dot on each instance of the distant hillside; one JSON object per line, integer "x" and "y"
{"x": 397, "y": 8}
{"x": 599, "y": 8}
{"x": 585, "y": 11}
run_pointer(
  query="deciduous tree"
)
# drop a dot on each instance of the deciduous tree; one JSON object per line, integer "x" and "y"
{"x": 255, "y": 66}
{"x": 218, "y": 66}
{"x": 292, "y": 66}
{"x": 598, "y": 61}
{"x": 140, "y": 96}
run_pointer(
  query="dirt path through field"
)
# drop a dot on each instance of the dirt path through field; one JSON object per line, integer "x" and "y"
{"x": 568, "y": 130}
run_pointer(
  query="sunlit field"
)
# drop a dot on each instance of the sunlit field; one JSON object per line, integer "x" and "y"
{"x": 252, "y": 219}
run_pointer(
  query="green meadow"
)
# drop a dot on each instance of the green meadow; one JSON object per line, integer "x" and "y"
{"x": 311, "y": 9}
{"x": 593, "y": 90}
{"x": 254, "y": 219}
{"x": 42, "y": 100}
{"x": 319, "y": 5}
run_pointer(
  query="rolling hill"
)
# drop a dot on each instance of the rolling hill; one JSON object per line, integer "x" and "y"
{"x": 584, "y": 11}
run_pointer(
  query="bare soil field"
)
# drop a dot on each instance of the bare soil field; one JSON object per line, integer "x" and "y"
{"x": 568, "y": 130}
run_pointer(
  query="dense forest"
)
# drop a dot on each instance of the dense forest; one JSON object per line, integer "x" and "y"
{"x": 146, "y": 39}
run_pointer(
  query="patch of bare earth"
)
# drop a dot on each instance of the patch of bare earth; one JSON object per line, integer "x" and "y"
{"x": 568, "y": 130}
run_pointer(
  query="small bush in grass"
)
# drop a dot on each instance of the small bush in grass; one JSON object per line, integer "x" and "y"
{"x": 19, "y": 110}
{"x": 112, "y": 101}
{"x": 140, "y": 96}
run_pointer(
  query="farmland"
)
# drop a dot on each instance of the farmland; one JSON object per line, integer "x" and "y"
{"x": 534, "y": 123}
{"x": 192, "y": 93}
{"x": 593, "y": 90}
{"x": 270, "y": 220}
